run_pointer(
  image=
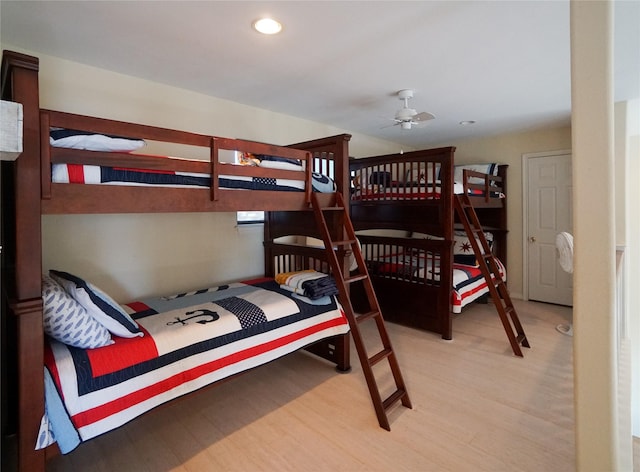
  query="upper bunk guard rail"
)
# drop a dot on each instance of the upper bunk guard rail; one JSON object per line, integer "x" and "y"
{"x": 489, "y": 187}
{"x": 266, "y": 149}
{"x": 430, "y": 169}
{"x": 398, "y": 205}
{"x": 75, "y": 201}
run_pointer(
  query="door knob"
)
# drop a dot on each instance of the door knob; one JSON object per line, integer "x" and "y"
{"x": 532, "y": 239}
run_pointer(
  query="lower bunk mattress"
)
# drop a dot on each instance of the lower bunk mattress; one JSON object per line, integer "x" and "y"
{"x": 189, "y": 340}
{"x": 468, "y": 282}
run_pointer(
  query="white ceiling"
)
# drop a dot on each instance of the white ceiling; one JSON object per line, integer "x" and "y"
{"x": 504, "y": 64}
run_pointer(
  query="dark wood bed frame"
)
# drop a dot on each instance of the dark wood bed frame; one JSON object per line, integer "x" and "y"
{"x": 27, "y": 193}
{"x": 423, "y": 303}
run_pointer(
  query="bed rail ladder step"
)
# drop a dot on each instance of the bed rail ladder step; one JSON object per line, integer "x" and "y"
{"x": 348, "y": 242}
{"x": 491, "y": 272}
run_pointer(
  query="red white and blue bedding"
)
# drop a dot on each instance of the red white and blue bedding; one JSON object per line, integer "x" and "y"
{"x": 190, "y": 340}
{"x": 468, "y": 282}
{"x": 90, "y": 174}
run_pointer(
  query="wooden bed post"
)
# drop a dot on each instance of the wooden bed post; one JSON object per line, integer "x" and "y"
{"x": 446, "y": 277}
{"x": 22, "y": 271}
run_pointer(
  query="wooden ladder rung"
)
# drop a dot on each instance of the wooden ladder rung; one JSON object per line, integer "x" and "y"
{"x": 393, "y": 398}
{"x": 333, "y": 208}
{"x": 346, "y": 242}
{"x": 366, "y": 316}
{"x": 373, "y": 360}
{"x": 497, "y": 282}
{"x": 508, "y": 310}
{"x": 355, "y": 278}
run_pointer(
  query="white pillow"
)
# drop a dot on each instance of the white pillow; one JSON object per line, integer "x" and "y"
{"x": 65, "y": 320}
{"x": 99, "y": 305}
{"x": 73, "y": 139}
{"x": 283, "y": 163}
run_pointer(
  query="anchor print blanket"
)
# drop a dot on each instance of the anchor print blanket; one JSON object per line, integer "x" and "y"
{"x": 190, "y": 340}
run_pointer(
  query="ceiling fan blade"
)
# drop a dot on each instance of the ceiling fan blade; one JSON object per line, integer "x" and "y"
{"x": 393, "y": 124}
{"x": 424, "y": 116}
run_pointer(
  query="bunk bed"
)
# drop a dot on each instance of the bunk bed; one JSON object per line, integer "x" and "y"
{"x": 419, "y": 258}
{"x": 36, "y": 184}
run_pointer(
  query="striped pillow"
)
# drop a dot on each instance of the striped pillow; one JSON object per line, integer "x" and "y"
{"x": 99, "y": 305}
{"x": 67, "y": 321}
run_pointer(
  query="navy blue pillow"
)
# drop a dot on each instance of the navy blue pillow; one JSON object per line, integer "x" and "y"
{"x": 380, "y": 178}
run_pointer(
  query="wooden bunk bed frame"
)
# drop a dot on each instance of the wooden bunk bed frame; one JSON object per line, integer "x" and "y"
{"x": 28, "y": 193}
{"x": 421, "y": 302}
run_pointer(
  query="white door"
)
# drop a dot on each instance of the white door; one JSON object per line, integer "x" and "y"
{"x": 548, "y": 213}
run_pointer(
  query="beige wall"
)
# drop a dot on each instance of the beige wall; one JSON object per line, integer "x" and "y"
{"x": 132, "y": 256}
{"x": 631, "y": 298}
{"x": 596, "y": 346}
{"x": 508, "y": 149}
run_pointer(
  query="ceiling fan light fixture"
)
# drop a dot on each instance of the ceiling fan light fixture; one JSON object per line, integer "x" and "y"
{"x": 406, "y": 114}
{"x": 468, "y": 122}
{"x": 407, "y": 117}
{"x": 267, "y": 26}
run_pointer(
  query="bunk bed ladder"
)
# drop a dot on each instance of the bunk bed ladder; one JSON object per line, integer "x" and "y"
{"x": 350, "y": 244}
{"x": 489, "y": 267}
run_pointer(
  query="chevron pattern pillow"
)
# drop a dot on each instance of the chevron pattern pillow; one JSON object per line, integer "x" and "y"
{"x": 67, "y": 321}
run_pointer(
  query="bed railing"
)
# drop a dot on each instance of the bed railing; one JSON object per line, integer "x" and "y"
{"x": 259, "y": 148}
{"x": 51, "y": 155}
{"x": 413, "y": 176}
{"x": 286, "y": 257}
{"x": 483, "y": 185}
{"x": 406, "y": 259}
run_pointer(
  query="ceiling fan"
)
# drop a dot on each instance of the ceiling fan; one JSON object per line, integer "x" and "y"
{"x": 407, "y": 117}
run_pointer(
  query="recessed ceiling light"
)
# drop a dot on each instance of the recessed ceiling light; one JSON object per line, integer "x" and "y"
{"x": 267, "y": 26}
{"x": 467, "y": 122}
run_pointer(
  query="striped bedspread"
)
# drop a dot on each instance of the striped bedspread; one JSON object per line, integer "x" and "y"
{"x": 190, "y": 340}
{"x": 90, "y": 174}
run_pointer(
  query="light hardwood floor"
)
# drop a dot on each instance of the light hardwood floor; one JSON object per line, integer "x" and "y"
{"x": 476, "y": 407}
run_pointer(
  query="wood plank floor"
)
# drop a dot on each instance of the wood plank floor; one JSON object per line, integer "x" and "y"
{"x": 476, "y": 407}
